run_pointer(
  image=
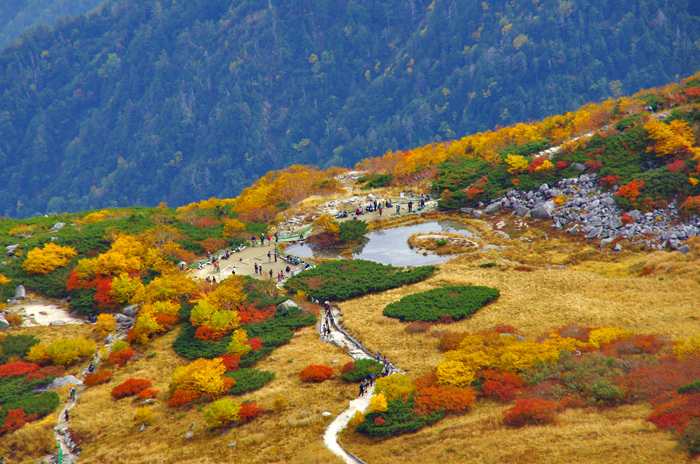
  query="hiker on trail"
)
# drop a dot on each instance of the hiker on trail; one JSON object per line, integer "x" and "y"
{"x": 213, "y": 279}
{"x": 380, "y": 210}
{"x": 362, "y": 390}
{"x": 268, "y": 239}
{"x": 269, "y": 257}
{"x": 379, "y": 356}
{"x": 262, "y": 239}
{"x": 288, "y": 270}
{"x": 279, "y": 277}
{"x": 410, "y": 206}
{"x": 260, "y": 270}
{"x": 256, "y": 268}
{"x": 270, "y": 274}
{"x": 398, "y": 208}
{"x": 66, "y": 415}
{"x": 422, "y": 202}
{"x": 275, "y": 255}
{"x": 208, "y": 255}
{"x": 233, "y": 271}
{"x": 252, "y": 239}
{"x": 375, "y": 204}
{"x": 371, "y": 379}
{"x": 277, "y": 238}
{"x": 72, "y": 393}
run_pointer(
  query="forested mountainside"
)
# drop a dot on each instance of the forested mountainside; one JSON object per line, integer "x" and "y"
{"x": 141, "y": 102}
{"x": 17, "y": 15}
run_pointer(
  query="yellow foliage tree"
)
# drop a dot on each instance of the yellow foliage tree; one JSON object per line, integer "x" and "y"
{"x": 208, "y": 314}
{"x": 394, "y": 386}
{"x": 62, "y": 351}
{"x": 673, "y": 139}
{"x": 143, "y": 415}
{"x": 232, "y": 227}
{"x": 171, "y": 285}
{"x": 686, "y": 348}
{"x": 238, "y": 346}
{"x": 517, "y": 163}
{"x": 45, "y": 260}
{"x": 221, "y": 412}
{"x": 106, "y": 324}
{"x": 203, "y": 375}
{"x": 4, "y": 279}
{"x": 603, "y": 335}
{"x": 229, "y": 295}
{"x": 378, "y": 403}
{"x": 124, "y": 288}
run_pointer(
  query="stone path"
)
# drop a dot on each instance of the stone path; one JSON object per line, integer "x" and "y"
{"x": 357, "y": 351}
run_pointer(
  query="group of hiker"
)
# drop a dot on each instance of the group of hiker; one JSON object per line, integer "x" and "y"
{"x": 381, "y": 206}
{"x": 253, "y": 238}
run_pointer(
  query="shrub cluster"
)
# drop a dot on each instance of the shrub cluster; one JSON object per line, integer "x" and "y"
{"x": 120, "y": 358}
{"x": 248, "y": 380}
{"x": 399, "y": 418}
{"x": 456, "y": 302}
{"x": 315, "y": 373}
{"x": 342, "y": 280}
{"x": 359, "y": 370}
{"x": 130, "y": 387}
{"x": 533, "y": 411}
{"x": 17, "y": 368}
{"x": 98, "y": 377}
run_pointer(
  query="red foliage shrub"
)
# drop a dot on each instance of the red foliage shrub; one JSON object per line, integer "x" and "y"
{"x": 166, "y": 321}
{"x": 379, "y": 420}
{"x": 636, "y": 344}
{"x": 691, "y": 205}
{"x": 249, "y": 314}
{"x": 120, "y": 358}
{"x": 418, "y": 327}
{"x": 47, "y": 371}
{"x": 17, "y": 368}
{"x": 254, "y": 343}
{"x": 450, "y": 398}
{"x": 148, "y": 394}
{"x": 499, "y": 385}
{"x": 534, "y": 411}
{"x": 676, "y": 166}
{"x": 347, "y": 367}
{"x": 593, "y": 164}
{"x": 230, "y": 361}
{"x": 536, "y": 163}
{"x": 15, "y": 419}
{"x": 677, "y": 411}
{"x": 104, "y": 297}
{"x": 652, "y": 382}
{"x": 213, "y": 245}
{"x": 450, "y": 340}
{"x": 130, "y": 387}
{"x": 626, "y": 219}
{"x": 205, "y": 333}
{"x": 315, "y": 373}
{"x": 98, "y": 377}
{"x": 630, "y": 190}
{"x": 249, "y": 411}
{"x": 425, "y": 381}
{"x": 183, "y": 397}
{"x": 610, "y": 180}
{"x": 523, "y": 268}
{"x": 571, "y": 402}
{"x": 562, "y": 164}
{"x": 505, "y": 329}
{"x": 206, "y": 222}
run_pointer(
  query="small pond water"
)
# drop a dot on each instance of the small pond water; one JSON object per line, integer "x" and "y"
{"x": 389, "y": 246}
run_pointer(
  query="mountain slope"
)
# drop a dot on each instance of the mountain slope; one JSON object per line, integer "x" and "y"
{"x": 143, "y": 102}
{"x": 18, "y": 15}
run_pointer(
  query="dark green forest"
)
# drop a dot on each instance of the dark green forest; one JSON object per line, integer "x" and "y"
{"x": 18, "y": 15}
{"x": 140, "y": 102}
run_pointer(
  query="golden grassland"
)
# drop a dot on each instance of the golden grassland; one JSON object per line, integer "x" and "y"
{"x": 619, "y": 435}
{"x": 286, "y": 436}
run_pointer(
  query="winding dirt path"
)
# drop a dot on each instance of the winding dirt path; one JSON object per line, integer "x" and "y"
{"x": 357, "y": 351}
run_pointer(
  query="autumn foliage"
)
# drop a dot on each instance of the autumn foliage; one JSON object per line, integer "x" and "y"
{"x": 316, "y": 373}
{"x": 249, "y": 411}
{"x": 17, "y": 368}
{"x": 130, "y": 387}
{"x": 45, "y": 260}
{"x": 15, "y": 419}
{"x": 98, "y": 377}
{"x": 434, "y": 398}
{"x": 182, "y": 397}
{"x": 120, "y": 358}
{"x": 630, "y": 190}
{"x": 530, "y": 412}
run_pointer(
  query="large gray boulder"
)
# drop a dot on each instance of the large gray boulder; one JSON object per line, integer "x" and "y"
{"x": 521, "y": 211}
{"x": 58, "y": 226}
{"x": 287, "y": 305}
{"x": 63, "y": 381}
{"x": 543, "y": 211}
{"x": 578, "y": 167}
{"x": 595, "y": 232}
{"x": 685, "y": 249}
{"x": 493, "y": 208}
{"x": 4, "y": 325}
{"x": 20, "y": 292}
{"x": 476, "y": 214}
{"x": 130, "y": 310}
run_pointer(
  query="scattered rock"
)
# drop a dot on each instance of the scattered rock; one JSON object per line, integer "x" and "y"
{"x": 20, "y": 293}
{"x": 685, "y": 249}
{"x": 335, "y": 361}
{"x": 326, "y": 414}
{"x": 618, "y": 247}
{"x": 143, "y": 427}
{"x": 476, "y": 214}
{"x": 493, "y": 208}
{"x": 521, "y": 211}
{"x": 58, "y": 226}
{"x": 578, "y": 167}
{"x": 231, "y": 445}
{"x": 55, "y": 323}
{"x": 287, "y": 305}
{"x": 63, "y": 381}
{"x": 11, "y": 248}
{"x": 189, "y": 435}
{"x": 130, "y": 310}
{"x": 4, "y": 325}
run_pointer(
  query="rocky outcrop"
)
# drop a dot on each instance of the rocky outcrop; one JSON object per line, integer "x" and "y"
{"x": 586, "y": 209}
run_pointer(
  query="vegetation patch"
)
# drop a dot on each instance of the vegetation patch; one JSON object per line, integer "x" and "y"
{"x": 456, "y": 302}
{"x": 342, "y": 280}
{"x": 248, "y": 380}
{"x": 359, "y": 370}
